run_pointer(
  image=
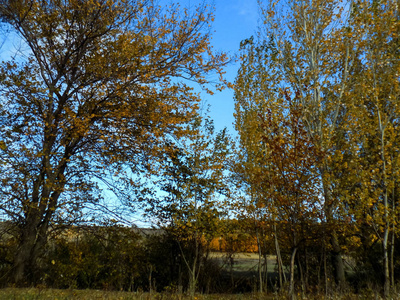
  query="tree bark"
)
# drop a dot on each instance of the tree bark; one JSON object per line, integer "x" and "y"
{"x": 325, "y": 274}
{"x": 23, "y": 258}
{"x": 34, "y": 231}
{"x": 301, "y": 274}
{"x": 265, "y": 277}
{"x": 392, "y": 259}
{"x": 279, "y": 259}
{"x": 392, "y": 243}
{"x": 33, "y": 239}
{"x": 386, "y": 285}
{"x": 337, "y": 261}
{"x": 307, "y": 271}
{"x": 291, "y": 284}
{"x": 386, "y": 263}
{"x": 260, "y": 277}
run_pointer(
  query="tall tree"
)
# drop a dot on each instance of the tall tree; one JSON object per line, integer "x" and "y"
{"x": 375, "y": 111}
{"x": 252, "y": 86}
{"x": 292, "y": 182}
{"x": 341, "y": 60}
{"x": 90, "y": 99}
{"x": 194, "y": 173}
{"x": 303, "y": 48}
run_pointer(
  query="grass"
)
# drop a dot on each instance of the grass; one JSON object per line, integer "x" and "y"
{"x": 55, "y": 294}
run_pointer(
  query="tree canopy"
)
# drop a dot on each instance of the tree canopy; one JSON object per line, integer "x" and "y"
{"x": 334, "y": 62}
{"x": 93, "y": 95}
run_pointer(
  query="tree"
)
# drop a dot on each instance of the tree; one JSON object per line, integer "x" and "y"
{"x": 253, "y": 86}
{"x": 188, "y": 208}
{"x": 303, "y": 48}
{"x": 281, "y": 159}
{"x": 341, "y": 61}
{"x": 90, "y": 100}
{"x": 373, "y": 105}
{"x": 292, "y": 182}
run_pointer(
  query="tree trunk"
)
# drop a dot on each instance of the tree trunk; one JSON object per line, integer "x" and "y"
{"x": 260, "y": 277}
{"x": 279, "y": 260}
{"x": 386, "y": 286}
{"x": 291, "y": 284}
{"x": 392, "y": 248}
{"x": 180, "y": 285}
{"x": 194, "y": 267}
{"x": 23, "y": 260}
{"x": 265, "y": 277}
{"x": 386, "y": 263}
{"x": 301, "y": 274}
{"x": 337, "y": 261}
{"x": 307, "y": 271}
{"x": 392, "y": 260}
{"x": 193, "y": 271}
{"x": 33, "y": 239}
{"x": 326, "y": 274}
{"x": 150, "y": 280}
{"x": 320, "y": 266}
{"x": 39, "y": 211}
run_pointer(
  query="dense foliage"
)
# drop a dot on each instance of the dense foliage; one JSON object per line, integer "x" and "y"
{"x": 90, "y": 104}
{"x": 317, "y": 111}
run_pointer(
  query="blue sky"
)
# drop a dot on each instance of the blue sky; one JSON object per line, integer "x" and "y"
{"x": 235, "y": 20}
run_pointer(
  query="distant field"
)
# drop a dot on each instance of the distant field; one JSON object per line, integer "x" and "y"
{"x": 245, "y": 261}
{"x": 249, "y": 262}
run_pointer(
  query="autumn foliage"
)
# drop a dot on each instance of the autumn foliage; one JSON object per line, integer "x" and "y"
{"x": 317, "y": 111}
{"x": 90, "y": 103}
{"x": 99, "y": 117}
